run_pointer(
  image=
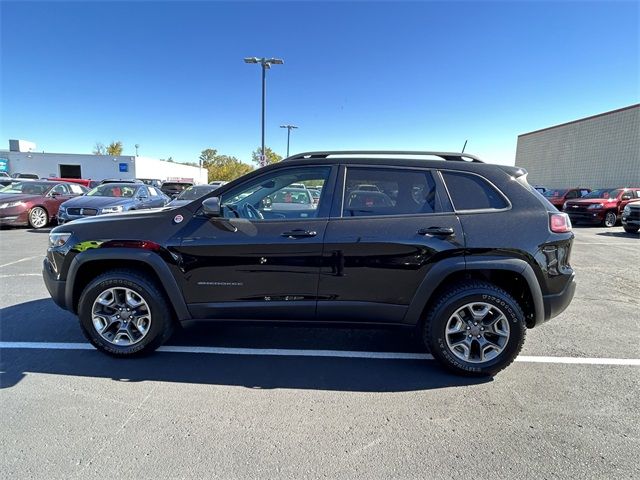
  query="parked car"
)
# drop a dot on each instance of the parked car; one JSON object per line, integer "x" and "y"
{"x": 88, "y": 183}
{"x": 112, "y": 198}
{"x": 26, "y": 176}
{"x": 173, "y": 189}
{"x": 190, "y": 194}
{"x": 631, "y": 217}
{"x": 601, "y": 207}
{"x": 290, "y": 199}
{"x": 154, "y": 182}
{"x": 466, "y": 253}
{"x": 540, "y": 188}
{"x": 559, "y": 196}
{"x": 218, "y": 183}
{"x": 35, "y": 203}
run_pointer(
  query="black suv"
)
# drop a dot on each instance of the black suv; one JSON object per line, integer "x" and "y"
{"x": 466, "y": 252}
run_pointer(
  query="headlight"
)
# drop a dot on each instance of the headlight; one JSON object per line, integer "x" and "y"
{"x": 564, "y": 206}
{"x": 11, "y": 204}
{"x": 58, "y": 239}
{"x": 595, "y": 206}
{"x": 627, "y": 210}
{"x": 116, "y": 209}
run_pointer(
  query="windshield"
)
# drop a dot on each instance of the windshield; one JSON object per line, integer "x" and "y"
{"x": 30, "y": 188}
{"x": 555, "y": 193}
{"x": 175, "y": 186}
{"x": 113, "y": 190}
{"x": 195, "y": 192}
{"x": 604, "y": 193}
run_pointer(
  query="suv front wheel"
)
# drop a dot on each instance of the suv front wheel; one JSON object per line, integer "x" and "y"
{"x": 475, "y": 329}
{"x": 124, "y": 313}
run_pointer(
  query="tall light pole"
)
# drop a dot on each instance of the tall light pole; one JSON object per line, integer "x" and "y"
{"x": 266, "y": 64}
{"x": 288, "y": 127}
{"x": 137, "y": 146}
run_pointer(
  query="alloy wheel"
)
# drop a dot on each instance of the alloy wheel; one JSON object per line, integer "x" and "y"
{"x": 477, "y": 332}
{"x": 610, "y": 219}
{"x": 38, "y": 217}
{"x": 121, "y": 316}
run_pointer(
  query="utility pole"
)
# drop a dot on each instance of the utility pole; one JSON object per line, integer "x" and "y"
{"x": 289, "y": 128}
{"x": 266, "y": 64}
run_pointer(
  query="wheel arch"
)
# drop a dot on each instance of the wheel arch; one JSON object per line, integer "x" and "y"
{"x": 513, "y": 275}
{"x": 88, "y": 265}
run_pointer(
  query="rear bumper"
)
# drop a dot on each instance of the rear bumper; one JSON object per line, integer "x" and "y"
{"x": 557, "y": 303}
{"x": 56, "y": 288}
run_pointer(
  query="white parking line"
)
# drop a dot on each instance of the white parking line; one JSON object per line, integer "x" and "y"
{"x": 286, "y": 352}
{"x": 21, "y": 260}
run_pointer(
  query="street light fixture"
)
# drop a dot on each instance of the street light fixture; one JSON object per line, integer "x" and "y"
{"x": 266, "y": 65}
{"x": 289, "y": 128}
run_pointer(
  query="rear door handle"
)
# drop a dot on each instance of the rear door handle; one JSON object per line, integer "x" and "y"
{"x": 299, "y": 233}
{"x": 437, "y": 231}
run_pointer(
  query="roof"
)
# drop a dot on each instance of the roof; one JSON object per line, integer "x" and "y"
{"x": 386, "y": 154}
{"x": 581, "y": 120}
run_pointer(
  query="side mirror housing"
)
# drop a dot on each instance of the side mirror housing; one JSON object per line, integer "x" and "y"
{"x": 211, "y": 207}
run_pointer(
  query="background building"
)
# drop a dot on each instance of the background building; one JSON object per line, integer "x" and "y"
{"x": 94, "y": 167}
{"x": 596, "y": 152}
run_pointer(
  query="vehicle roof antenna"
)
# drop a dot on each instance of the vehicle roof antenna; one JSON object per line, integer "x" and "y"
{"x": 464, "y": 146}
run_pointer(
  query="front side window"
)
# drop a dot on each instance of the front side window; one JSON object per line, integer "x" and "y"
{"x": 284, "y": 194}
{"x": 386, "y": 191}
{"x": 472, "y": 192}
{"x": 60, "y": 189}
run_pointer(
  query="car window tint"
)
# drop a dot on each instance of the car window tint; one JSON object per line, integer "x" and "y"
{"x": 283, "y": 194}
{"x": 60, "y": 188}
{"x": 386, "y": 191}
{"x": 472, "y": 192}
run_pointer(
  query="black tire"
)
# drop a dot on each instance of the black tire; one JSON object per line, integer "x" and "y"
{"x": 631, "y": 229}
{"x": 458, "y": 296}
{"x": 610, "y": 219}
{"x": 162, "y": 322}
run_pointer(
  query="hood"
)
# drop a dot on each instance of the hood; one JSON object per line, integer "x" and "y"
{"x": 85, "y": 201}
{"x": 18, "y": 197}
{"x": 590, "y": 201}
{"x": 179, "y": 203}
{"x": 151, "y": 215}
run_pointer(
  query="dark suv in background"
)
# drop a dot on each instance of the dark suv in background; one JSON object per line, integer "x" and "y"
{"x": 465, "y": 252}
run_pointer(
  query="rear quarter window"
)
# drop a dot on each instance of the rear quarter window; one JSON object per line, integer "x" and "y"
{"x": 472, "y": 192}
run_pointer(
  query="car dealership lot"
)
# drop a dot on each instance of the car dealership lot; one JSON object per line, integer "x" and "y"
{"x": 70, "y": 412}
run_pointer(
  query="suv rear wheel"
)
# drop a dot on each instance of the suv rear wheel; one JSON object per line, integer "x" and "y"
{"x": 475, "y": 329}
{"x": 124, "y": 313}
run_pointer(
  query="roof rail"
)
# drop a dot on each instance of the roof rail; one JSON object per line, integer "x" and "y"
{"x": 449, "y": 156}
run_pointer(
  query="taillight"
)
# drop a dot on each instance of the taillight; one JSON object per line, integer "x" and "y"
{"x": 559, "y": 222}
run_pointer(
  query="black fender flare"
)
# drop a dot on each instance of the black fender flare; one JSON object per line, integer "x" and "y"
{"x": 434, "y": 278}
{"x": 150, "y": 258}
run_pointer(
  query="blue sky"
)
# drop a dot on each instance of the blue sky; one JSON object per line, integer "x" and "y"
{"x": 422, "y": 75}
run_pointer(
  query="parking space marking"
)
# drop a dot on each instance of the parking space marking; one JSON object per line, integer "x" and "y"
{"x": 286, "y": 352}
{"x": 21, "y": 275}
{"x": 21, "y": 260}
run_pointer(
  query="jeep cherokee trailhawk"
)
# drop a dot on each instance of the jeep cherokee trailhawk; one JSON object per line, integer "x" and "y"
{"x": 465, "y": 252}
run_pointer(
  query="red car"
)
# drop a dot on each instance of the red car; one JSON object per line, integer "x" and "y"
{"x": 35, "y": 203}
{"x": 81, "y": 181}
{"x": 559, "y": 196}
{"x": 603, "y": 207}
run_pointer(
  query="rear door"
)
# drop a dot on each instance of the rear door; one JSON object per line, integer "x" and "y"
{"x": 381, "y": 242}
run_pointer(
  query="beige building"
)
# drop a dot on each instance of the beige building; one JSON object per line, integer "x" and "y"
{"x": 602, "y": 151}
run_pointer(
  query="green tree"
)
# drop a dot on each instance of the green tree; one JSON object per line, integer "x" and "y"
{"x": 99, "y": 149}
{"x": 271, "y": 156}
{"x": 223, "y": 167}
{"x": 115, "y": 148}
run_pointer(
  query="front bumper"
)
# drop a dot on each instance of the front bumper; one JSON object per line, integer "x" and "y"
{"x": 631, "y": 220}
{"x": 587, "y": 217}
{"x": 56, "y": 288}
{"x": 557, "y": 303}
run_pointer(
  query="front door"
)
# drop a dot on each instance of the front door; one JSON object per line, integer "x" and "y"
{"x": 392, "y": 226}
{"x": 261, "y": 259}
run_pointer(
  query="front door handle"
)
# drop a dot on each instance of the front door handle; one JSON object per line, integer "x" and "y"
{"x": 299, "y": 233}
{"x": 437, "y": 231}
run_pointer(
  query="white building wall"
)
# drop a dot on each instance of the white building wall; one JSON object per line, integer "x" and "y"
{"x": 153, "y": 168}
{"x": 99, "y": 167}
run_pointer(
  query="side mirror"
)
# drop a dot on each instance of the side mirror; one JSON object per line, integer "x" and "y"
{"x": 211, "y": 207}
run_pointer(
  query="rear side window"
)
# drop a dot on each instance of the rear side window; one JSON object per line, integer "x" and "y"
{"x": 386, "y": 191}
{"x": 471, "y": 192}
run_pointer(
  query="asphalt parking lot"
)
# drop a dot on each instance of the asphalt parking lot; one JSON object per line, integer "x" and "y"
{"x": 295, "y": 402}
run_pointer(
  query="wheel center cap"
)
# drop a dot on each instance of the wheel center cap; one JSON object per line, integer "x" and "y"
{"x": 125, "y": 315}
{"x": 475, "y": 330}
